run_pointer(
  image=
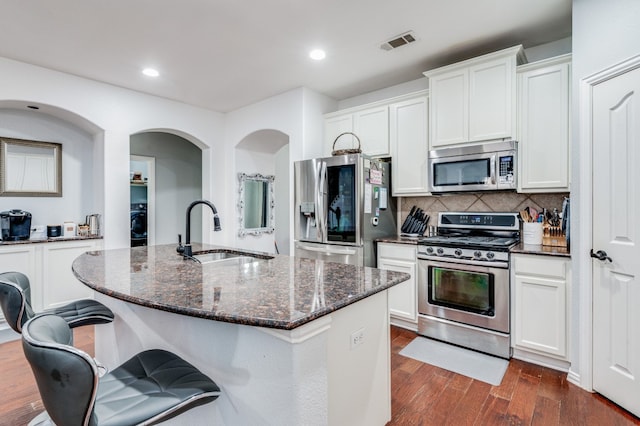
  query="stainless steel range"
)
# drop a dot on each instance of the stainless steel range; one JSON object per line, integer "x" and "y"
{"x": 463, "y": 280}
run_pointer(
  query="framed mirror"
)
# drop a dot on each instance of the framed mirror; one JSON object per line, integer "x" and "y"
{"x": 30, "y": 168}
{"x": 256, "y": 204}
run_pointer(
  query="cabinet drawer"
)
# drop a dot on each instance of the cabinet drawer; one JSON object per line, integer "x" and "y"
{"x": 540, "y": 266}
{"x": 406, "y": 252}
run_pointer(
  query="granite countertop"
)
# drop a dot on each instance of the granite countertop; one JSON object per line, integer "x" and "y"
{"x": 541, "y": 250}
{"x": 48, "y": 240}
{"x": 284, "y": 292}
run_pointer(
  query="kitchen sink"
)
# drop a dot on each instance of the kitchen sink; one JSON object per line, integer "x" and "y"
{"x": 227, "y": 257}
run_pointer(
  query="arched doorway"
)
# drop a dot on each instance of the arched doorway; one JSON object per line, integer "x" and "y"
{"x": 267, "y": 152}
{"x": 176, "y": 181}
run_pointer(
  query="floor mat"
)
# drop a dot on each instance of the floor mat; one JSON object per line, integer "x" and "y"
{"x": 476, "y": 365}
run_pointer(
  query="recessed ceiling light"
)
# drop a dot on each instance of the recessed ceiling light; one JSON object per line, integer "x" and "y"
{"x": 150, "y": 72}
{"x": 317, "y": 54}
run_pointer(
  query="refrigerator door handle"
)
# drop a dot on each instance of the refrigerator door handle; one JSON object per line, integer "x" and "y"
{"x": 321, "y": 214}
{"x": 327, "y": 250}
{"x": 318, "y": 201}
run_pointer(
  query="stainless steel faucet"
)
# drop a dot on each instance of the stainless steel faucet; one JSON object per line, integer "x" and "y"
{"x": 185, "y": 250}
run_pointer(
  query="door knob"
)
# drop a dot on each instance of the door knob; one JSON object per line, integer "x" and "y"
{"x": 600, "y": 255}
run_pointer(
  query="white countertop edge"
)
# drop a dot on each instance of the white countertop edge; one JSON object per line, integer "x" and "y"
{"x": 302, "y": 333}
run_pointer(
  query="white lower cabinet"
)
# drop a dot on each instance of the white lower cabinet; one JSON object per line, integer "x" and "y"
{"x": 18, "y": 258}
{"x": 540, "y": 314}
{"x": 59, "y": 285}
{"x": 403, "y": 305}
{"x": 48, "y": 267}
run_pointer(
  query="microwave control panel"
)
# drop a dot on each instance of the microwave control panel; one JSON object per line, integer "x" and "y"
{"x": 506, "y": 171}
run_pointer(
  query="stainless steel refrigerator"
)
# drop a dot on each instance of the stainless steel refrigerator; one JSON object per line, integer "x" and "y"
{"x": 342, "y": 204}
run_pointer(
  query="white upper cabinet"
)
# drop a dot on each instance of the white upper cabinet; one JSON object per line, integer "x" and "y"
{"x": 371, "y": 125}
{"x": 449, "y": 115}
{"x": 543, "y": 127}
{"x": 474, "y": 100}
{"x": 409, "y": 146}
{"x": 333, "y": 126}
{"x": 492, "y": 99}
{"x": 396, "y": 128}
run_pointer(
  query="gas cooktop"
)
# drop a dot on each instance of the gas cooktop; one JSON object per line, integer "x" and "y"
{"x": 470, "y": 241}
{"x": 469, "y": 230}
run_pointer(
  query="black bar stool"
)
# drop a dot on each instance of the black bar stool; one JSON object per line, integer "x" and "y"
{"x": 15, "y": 301}
{"x": 149, "y": 388}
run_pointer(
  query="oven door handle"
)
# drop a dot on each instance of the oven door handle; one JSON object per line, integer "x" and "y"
{"x": 455, "y": 263}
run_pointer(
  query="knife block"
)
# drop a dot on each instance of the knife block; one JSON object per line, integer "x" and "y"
{"x": 553, "y": 236}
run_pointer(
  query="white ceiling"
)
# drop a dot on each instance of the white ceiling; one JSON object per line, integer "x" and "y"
{"x": 225, "y": 54}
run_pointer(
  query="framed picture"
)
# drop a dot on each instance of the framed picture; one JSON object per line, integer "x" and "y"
{"x": 30, "y": 168}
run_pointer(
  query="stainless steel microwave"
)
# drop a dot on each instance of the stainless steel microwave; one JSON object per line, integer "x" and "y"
{"x": 484, "y": 167}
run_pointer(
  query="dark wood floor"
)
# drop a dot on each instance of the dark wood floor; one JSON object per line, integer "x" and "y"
{"x": 421, "y": 393}
{"x": 528, "y": 395}
{"x": 19, "y": 398}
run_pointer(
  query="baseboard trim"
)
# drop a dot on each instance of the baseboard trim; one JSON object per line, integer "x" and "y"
{"x": 542, "y": 360}
{"x": 402, "y": 323}
{"x": 8, "y": 335}
{"x": 573, "y": 377}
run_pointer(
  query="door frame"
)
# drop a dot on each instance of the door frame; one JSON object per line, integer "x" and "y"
{"x": 151, "y": 195}
{"x": 581, "y": 260}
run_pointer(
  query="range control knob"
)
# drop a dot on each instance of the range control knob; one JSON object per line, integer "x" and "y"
{"x": 430, "y": 250}
{"x": 477, "y": 254}
{"x": 490, "y": 255}
{"x": 440, "y": 251}
{"x": 458, "y": 252}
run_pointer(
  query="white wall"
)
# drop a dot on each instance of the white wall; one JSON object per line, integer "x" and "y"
{"x": 111, "y": 114}
{"x": 283, "y": 205}
{"x": 386, "y": 93}
{"x": 282, "y": 113}
{"x": 604, "y": 33}
{"x": 297, "y": 114}
{"x": 314, "y": 107}
{"x": 77, "y": 158}
{"x": 548, "y": 50}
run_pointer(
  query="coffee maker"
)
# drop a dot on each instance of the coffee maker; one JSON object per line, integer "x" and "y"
{"x": 15, "y": 225}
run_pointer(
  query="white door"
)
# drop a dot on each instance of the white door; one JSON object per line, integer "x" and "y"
{"x": 616, "y": 231}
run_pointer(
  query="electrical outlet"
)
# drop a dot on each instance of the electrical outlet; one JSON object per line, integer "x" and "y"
{"x": 357, "y": 338}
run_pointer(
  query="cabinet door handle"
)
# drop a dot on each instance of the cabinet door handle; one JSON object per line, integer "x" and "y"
{"x": 600, "y": 255}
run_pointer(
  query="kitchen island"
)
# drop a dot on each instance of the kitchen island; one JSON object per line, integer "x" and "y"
{"x": 290, "y": 341}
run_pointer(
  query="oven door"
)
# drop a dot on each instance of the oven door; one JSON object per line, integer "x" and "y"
{"x": 469, "y": 294}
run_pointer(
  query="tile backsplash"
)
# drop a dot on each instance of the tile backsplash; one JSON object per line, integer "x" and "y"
{"x": 480, "y": 202}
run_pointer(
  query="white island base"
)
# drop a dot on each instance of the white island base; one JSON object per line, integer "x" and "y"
{"x": 334, "y": 370}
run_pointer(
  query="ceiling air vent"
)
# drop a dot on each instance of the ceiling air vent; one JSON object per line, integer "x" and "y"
{"x": 399, "y": 41}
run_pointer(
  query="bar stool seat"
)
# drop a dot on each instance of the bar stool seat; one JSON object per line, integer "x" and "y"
{"x": 149, "y": 388}
{"x": 15, "y": 301}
